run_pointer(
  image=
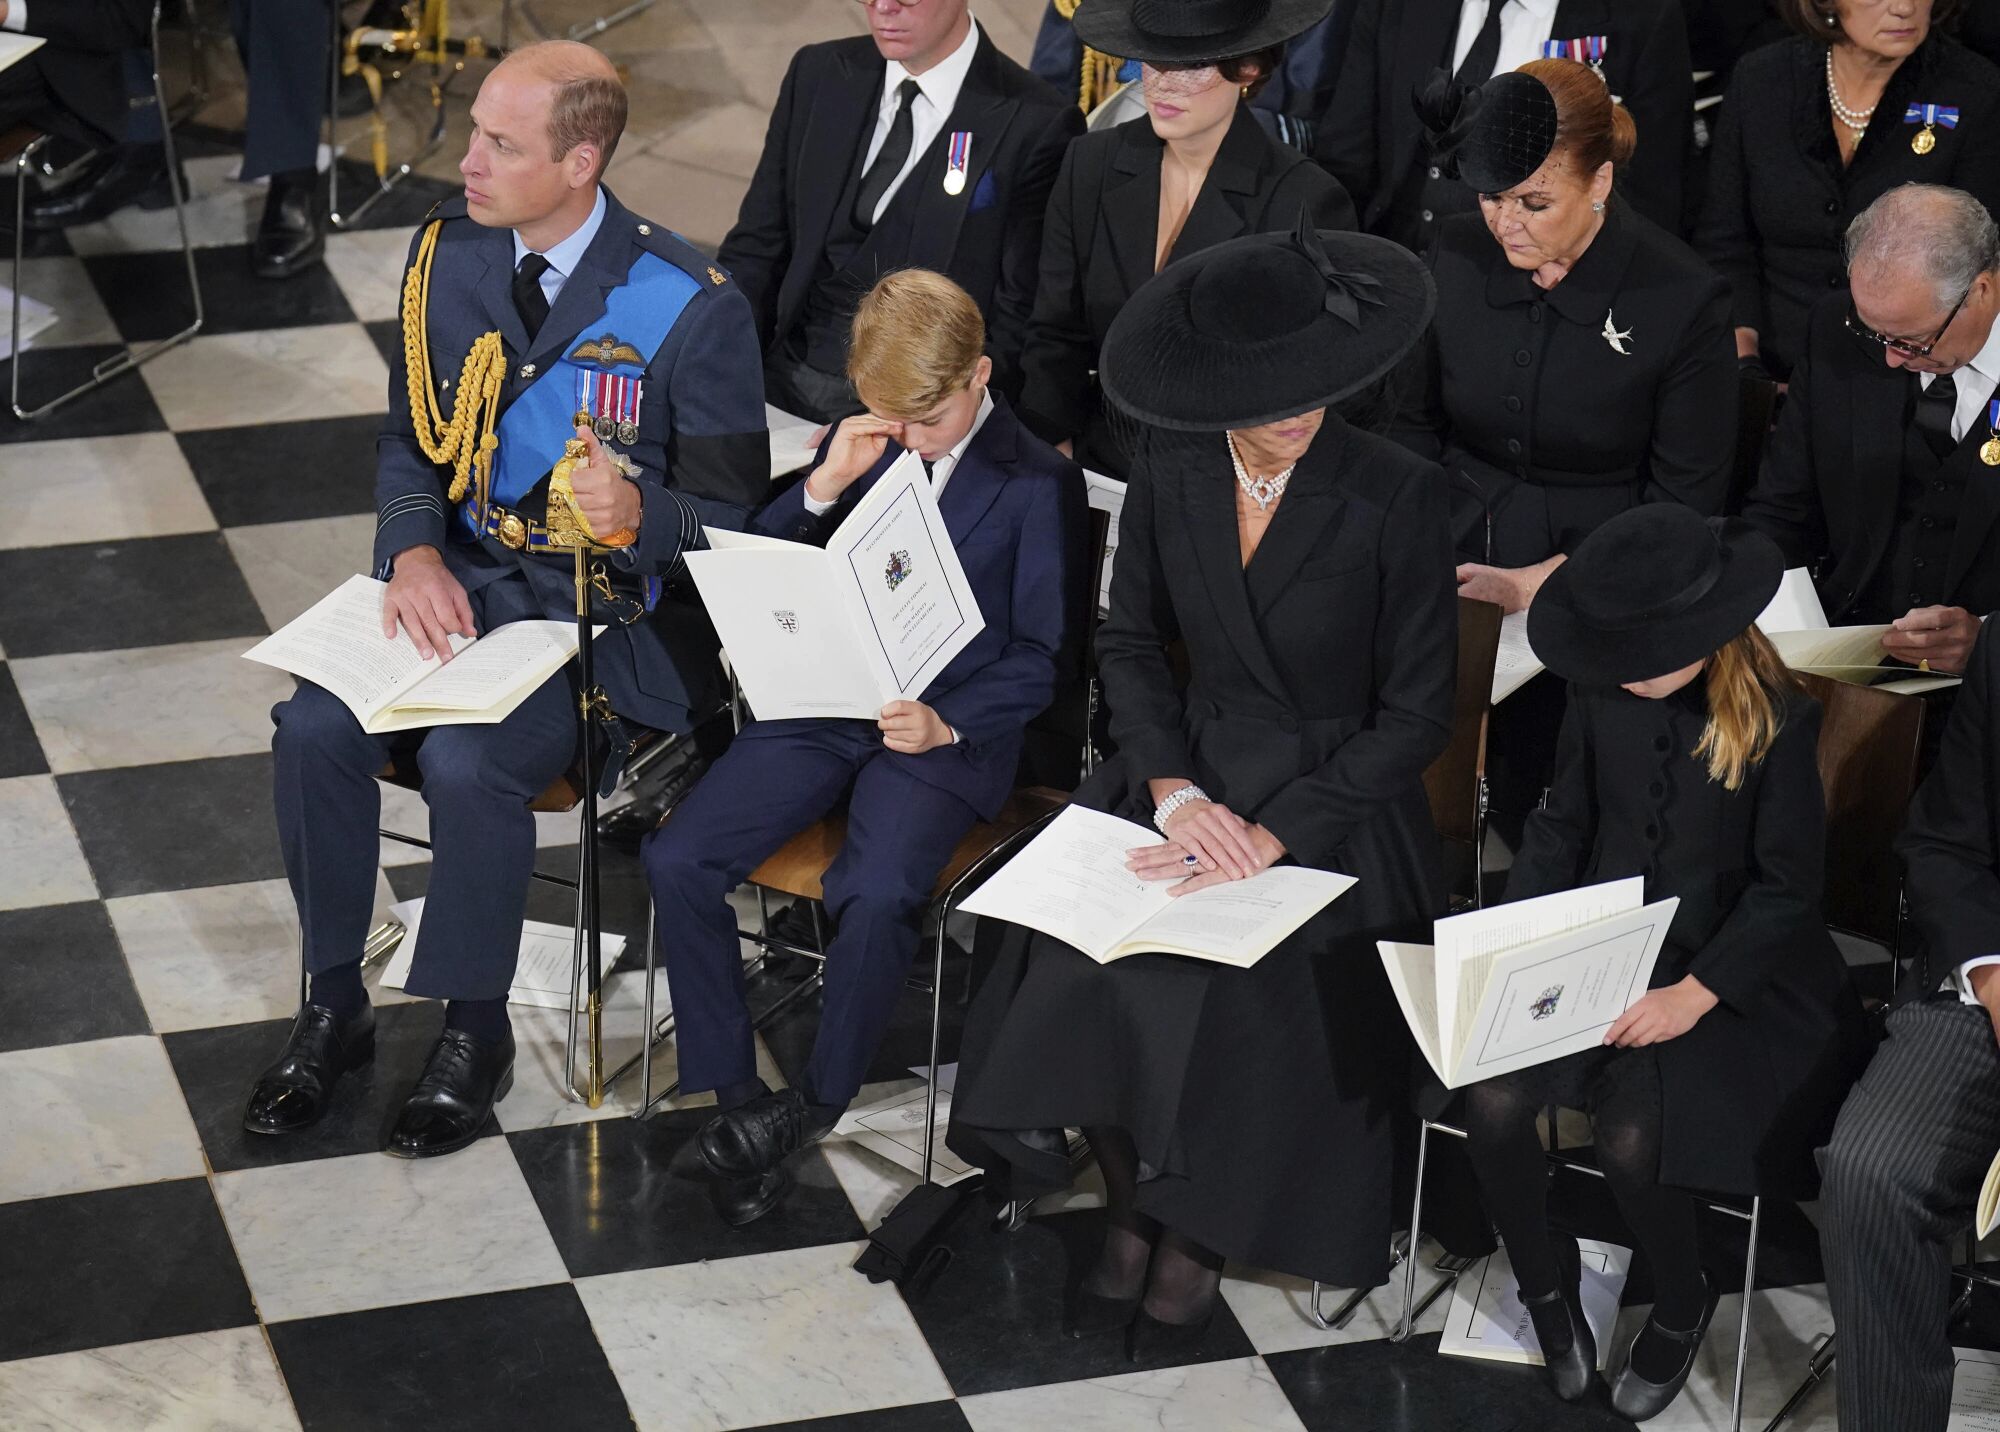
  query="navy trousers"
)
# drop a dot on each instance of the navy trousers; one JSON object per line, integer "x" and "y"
{"x": 478, "y": 781}
{"x": 775, "y": 780}
{"x": 285, "y": 46}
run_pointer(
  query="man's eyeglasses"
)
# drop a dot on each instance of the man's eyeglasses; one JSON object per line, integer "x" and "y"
{"x": 1903, "y": 345}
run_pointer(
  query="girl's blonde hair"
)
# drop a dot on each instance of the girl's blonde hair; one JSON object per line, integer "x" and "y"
{"x": 1747, "y": 681}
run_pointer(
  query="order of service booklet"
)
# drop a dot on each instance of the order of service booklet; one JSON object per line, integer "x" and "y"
{"x": 338, "y": 644}
{"x": 845, "y": 629}
{"x": 1070, "y": 882}
{"x": 1529, "y": 981}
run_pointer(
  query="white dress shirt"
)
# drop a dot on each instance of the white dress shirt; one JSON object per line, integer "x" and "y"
{"x": 17, "y": 17}
{"x": 1975, "y": 383}
{"x": 565, "y": 256}
{"x": 938, "y": 89}
{"x": 1524, "y": 26}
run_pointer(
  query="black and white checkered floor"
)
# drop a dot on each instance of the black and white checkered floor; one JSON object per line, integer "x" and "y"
{"x": 160, "y": 1269}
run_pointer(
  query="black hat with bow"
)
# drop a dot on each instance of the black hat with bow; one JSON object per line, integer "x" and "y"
{"x": 1491, "y": 136}
{"x": 1264, "y": 327}
{"x": 1192, "y": 32}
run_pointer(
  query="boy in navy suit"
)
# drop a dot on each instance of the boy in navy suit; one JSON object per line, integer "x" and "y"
{"x": 915, "y": 780}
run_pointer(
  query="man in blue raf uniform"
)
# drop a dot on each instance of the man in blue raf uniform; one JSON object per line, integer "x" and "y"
{"x": 551, "y": 303}
{"x": 916, "y": 779}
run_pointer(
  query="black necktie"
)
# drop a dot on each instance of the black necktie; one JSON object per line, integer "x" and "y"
{"x": 529, "y": 300}
{"x": 889, "y": 161}
{"x": 1477, "y": 67}
{"x": 1936, "y": 405}
{"x": 928, "y": 468}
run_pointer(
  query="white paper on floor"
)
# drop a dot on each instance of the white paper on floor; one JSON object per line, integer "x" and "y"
{"x": 542, "y": 977}
{"x": 893, "y": 1128}
{"x": 1975, "y": 1391}
{"x": 1489, "y": 1320}
{"x": 36, "y": 317}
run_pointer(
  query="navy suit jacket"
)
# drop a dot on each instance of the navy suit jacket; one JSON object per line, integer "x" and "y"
{"x": 702, "y": 452}
{"x": 1019, "y": 520}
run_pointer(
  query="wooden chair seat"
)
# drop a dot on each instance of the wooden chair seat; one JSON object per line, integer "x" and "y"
{"x": 1869, "y": 742}
{"x": 797, "y": 867}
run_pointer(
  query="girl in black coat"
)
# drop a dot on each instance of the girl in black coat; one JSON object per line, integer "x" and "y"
{"x": 1789, "y": 170}
{"x": 1703, "y": 781}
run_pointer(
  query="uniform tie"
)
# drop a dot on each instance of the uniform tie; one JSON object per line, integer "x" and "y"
{"x": 889, "y": 162}
{"x": 1936, "y": 406}
{"x": 1477, "y": 67}
{"x": 529, "y": 300}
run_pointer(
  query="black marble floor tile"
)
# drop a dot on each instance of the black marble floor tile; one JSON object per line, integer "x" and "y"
{"x": 619, "y": 1194}
{"x": 117, "y": 1266}
{"x": 994, "y": 1316}
{"x": 285, "y": 472}
{"x": 63, "y": 978}
{"x": 216, "y": 1068}
{"x": 1382, "y": 1386}
{"x": 387, "y": 334}
{"x": 176, "y": 826}
{"x": 917, "y": 1417}
{"x": 20, "y": 749}
{"x": 107, "y": 596}
{"x": 124, "y": 405}
{"x": 147, "y": 294}
{"x": 522, "y": 1359}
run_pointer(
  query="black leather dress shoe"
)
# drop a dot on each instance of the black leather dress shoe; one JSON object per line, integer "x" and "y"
{"x": 739, "y": 1201}
{"x": 1636, "y": 1399}
{"x": 127, "y": 174}
{"x": 754, "y": 1138}
{"x": 461, "y": 1083}
{"x": 290, "y": 238}
{"x": 294, "y": 1091}
{"x": 1572, "y": 1372}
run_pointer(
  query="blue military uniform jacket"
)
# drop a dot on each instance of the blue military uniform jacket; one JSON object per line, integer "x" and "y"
{"x": 684, "y": 332}
{"x": 1020, "y": 522}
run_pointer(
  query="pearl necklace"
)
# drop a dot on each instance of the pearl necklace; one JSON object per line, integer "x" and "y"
{"x": 1854, "y": 119}
{"x": 1261, "y": 490}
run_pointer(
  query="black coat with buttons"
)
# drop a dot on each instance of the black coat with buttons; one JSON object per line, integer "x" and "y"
{"x": 1553, "y": 410}
{"x": 1752, "y": 1088}
{"x": 1778, "y": 198}
{"x": 1829, "y": 493}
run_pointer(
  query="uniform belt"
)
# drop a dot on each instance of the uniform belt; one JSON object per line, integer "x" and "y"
{"x": 513, "y": 531}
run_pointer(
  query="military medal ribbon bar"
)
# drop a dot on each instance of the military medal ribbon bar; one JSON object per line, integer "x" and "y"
{"x": 958, "y": 159}
{"x": 611, "y": 403}
{"x": 1584, "y": 49}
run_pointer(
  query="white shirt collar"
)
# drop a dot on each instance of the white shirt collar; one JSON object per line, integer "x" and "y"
{"x": 942, "y": 81}
{"x": 1986, "y": 362}
{"x": 944, "y": 467}
{"x": 1540, "y": 9}
{"x": 564, "y": 257}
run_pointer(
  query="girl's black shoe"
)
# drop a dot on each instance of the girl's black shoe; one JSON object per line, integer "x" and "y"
{"x": 1569, "y": 1351}
{"x": 1637, "y": 1399}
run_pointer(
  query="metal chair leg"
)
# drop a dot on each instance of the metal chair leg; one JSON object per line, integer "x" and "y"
{"x": 1818, "y": 1365}
{"x": 1408, "y": 1323}
{"x": 646, "y": 1028}
{"x": 1743, "y": 1319}
{"x": 937, "y": 1037}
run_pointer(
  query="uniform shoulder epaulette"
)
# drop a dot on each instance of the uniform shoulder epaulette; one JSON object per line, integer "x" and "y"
{"x": 659, "y": 240}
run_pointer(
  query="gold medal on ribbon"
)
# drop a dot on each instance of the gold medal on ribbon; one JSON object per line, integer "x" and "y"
{"x": 1925, "y": 140}
{"x": 1989, "y": 452}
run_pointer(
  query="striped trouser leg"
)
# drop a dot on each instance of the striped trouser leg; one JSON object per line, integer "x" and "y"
{"x": 1901, "y": 1173}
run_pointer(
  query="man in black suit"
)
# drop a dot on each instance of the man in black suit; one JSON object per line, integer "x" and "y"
{"x": 1914, "y": 1139}
{"x": 74, "y": 85}
{"x": 1884, "y": 473}
{"x": 1373, "y": 141}
{"x": 921, "y": 146}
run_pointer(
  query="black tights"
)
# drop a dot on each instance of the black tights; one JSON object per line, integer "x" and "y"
{"x": 1507, "y": 1154}
{"x": 1179, "y": 1276}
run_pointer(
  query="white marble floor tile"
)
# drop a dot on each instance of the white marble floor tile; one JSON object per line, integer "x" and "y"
{"x": 222, "y": 954}
{"x": 404, "y": 810}
{"x": 272, "y": 375}
{"x": 64, "y": 285}
{"x": 872, "y": 1184}
{"x": 781, "y": 1336}
{"x": 291, "y": 565}
{"x": 134, "y": 485}
{"x": 1785, "y": 1323}
{"x": 1275, "y": 1308}
{"x": 698, "y": 204}
{"x": 368, "y": 266}
{"x": 1240, "y": 1395}
{"x": 204, "y": 1382}
{"x": 100, "y": 1114}
{"x": 408, "y": 1231}
{"x": 40, "y": 860}
{"x": 150, "y": 704}
{"x": 220, "y": 211}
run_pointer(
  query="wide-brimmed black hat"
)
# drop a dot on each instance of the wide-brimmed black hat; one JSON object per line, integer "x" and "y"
{"x": 1657, "y": 588}
{"x": 1491, "y": 136}
{"x": 1192, "y": 32}
{"x": 1264, "y": 327}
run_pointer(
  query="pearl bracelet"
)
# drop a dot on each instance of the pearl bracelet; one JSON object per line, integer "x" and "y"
{"x": 1174, "y": 801}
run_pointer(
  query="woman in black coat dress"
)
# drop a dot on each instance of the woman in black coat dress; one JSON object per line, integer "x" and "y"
{"x": 1197, "y": 170}
{"x": 1790, "y": 169}
{"x": 1687, "y": 758}
{"x": 1245, "y": 1113}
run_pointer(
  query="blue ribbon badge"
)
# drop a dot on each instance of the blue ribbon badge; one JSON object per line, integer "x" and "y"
{"x": 1930, "y": 116}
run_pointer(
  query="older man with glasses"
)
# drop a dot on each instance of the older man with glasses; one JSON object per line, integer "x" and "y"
{"x": 1884, "y": 473}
